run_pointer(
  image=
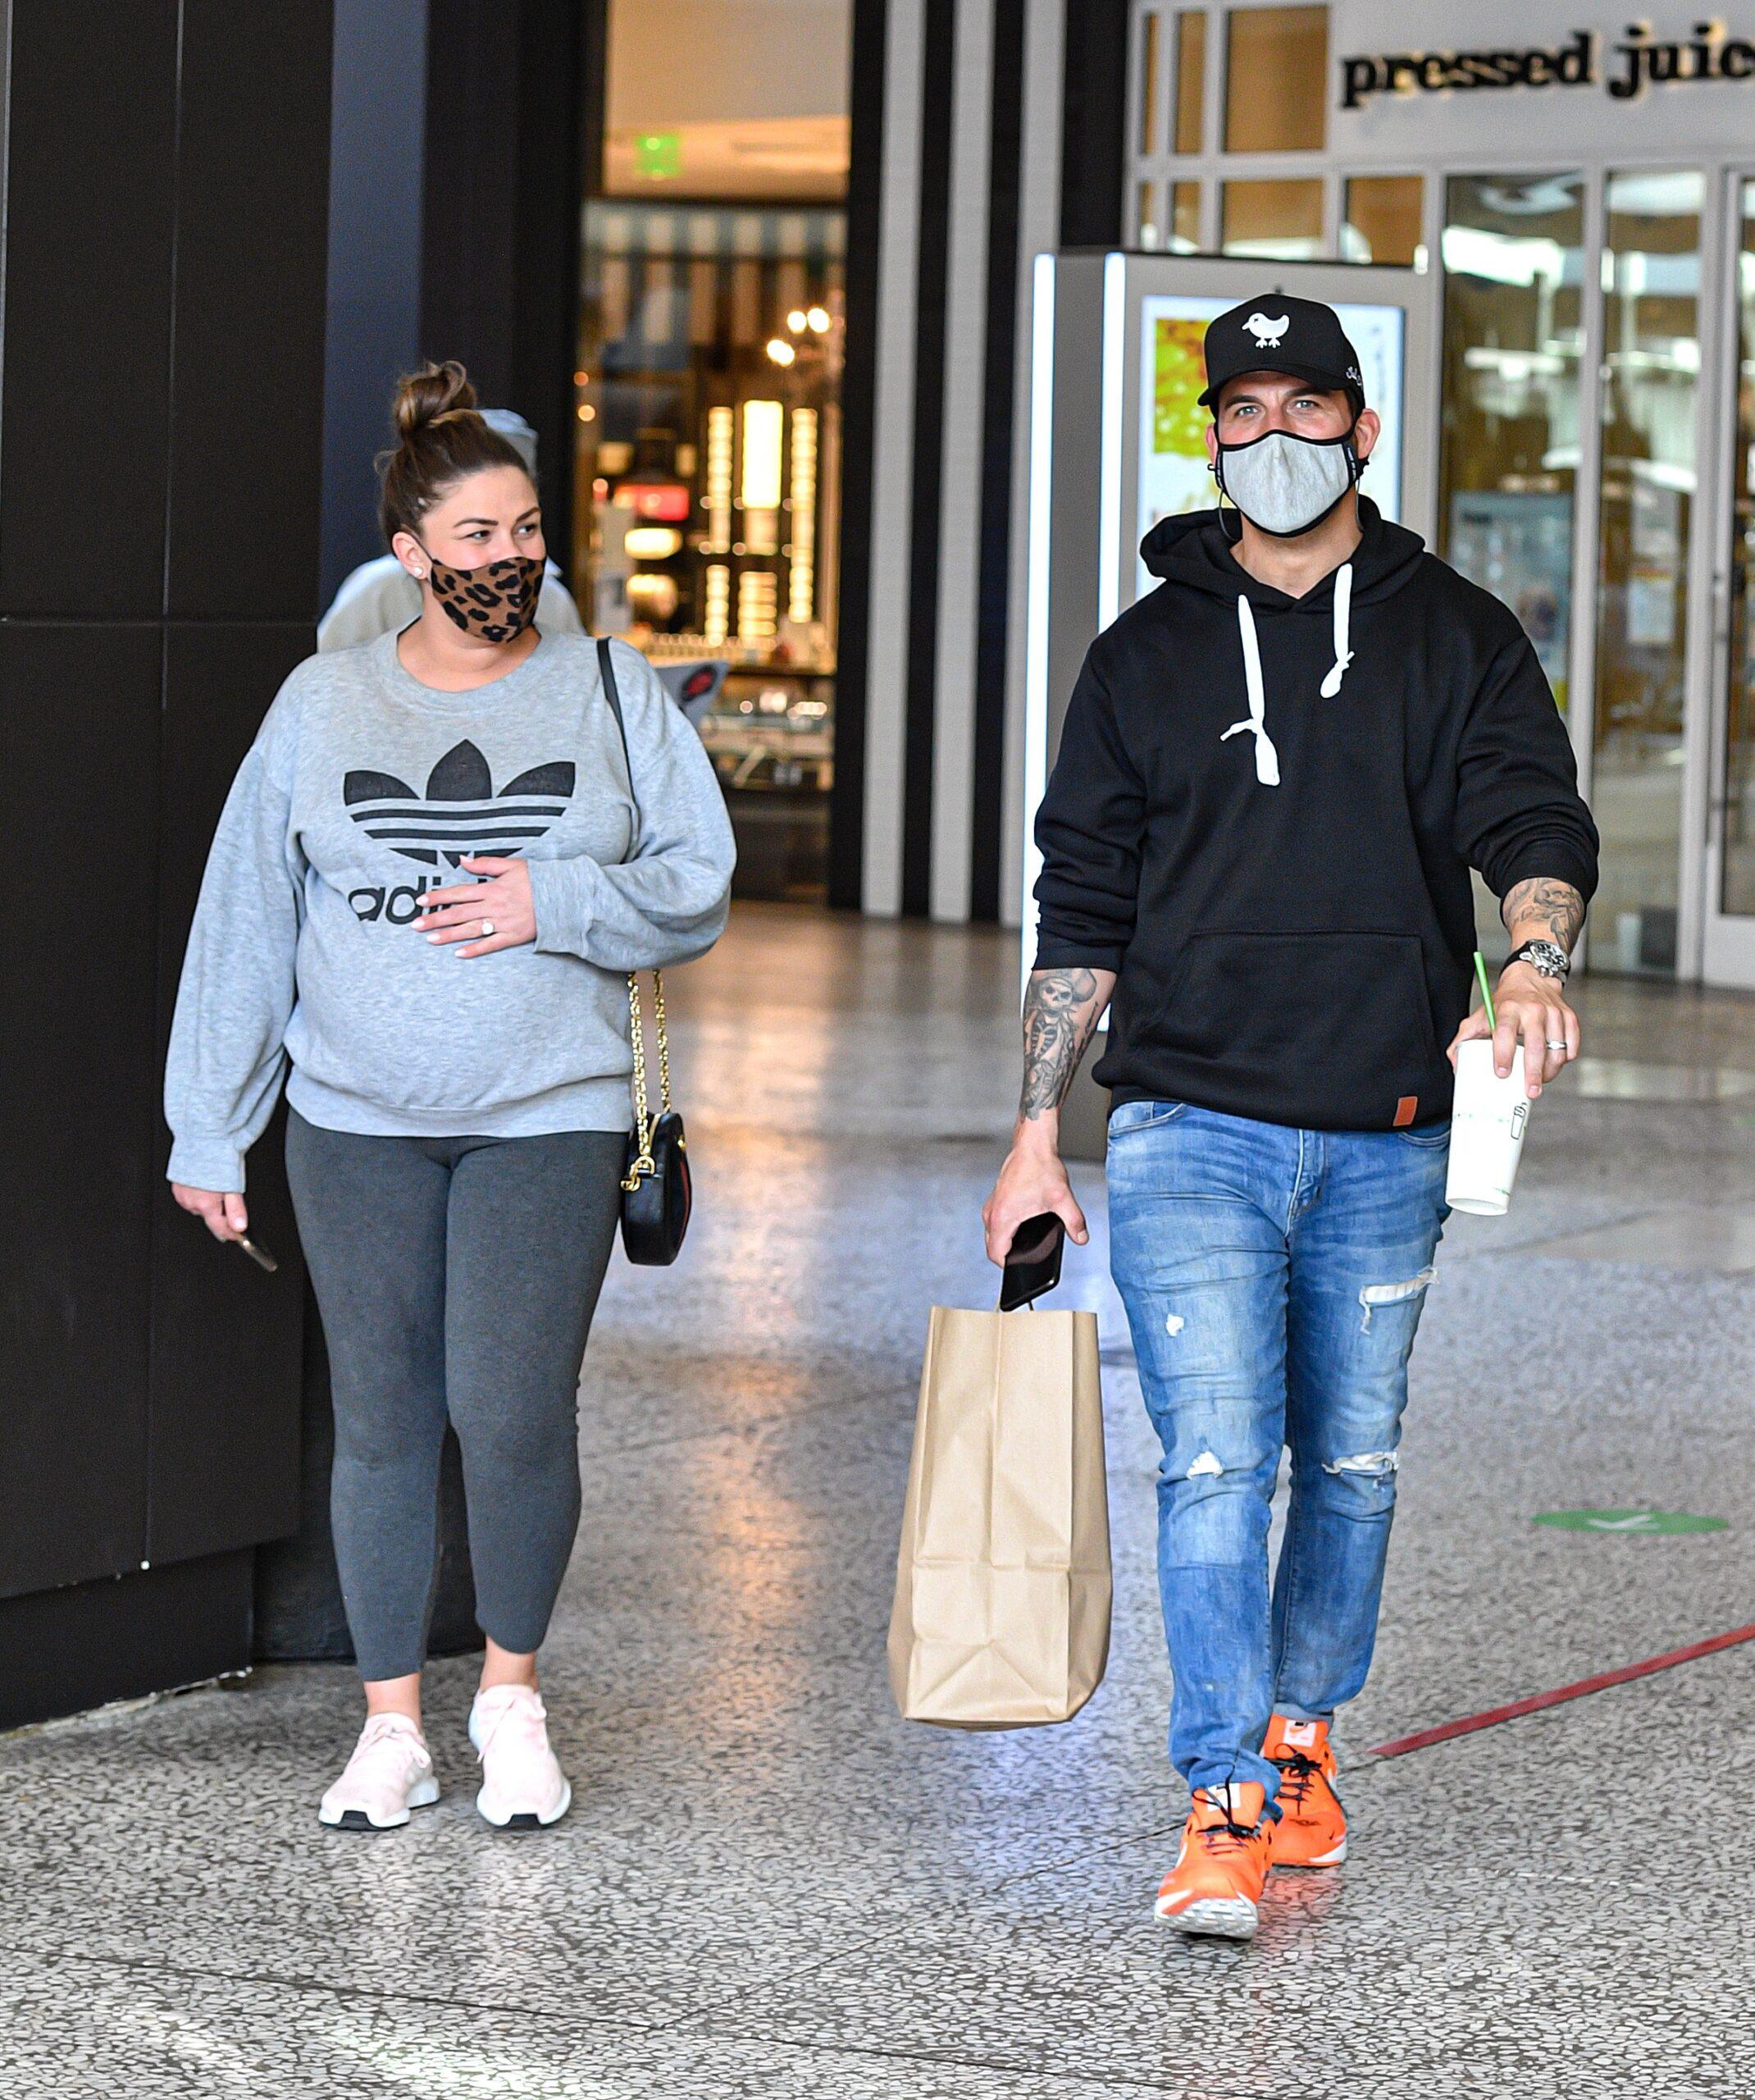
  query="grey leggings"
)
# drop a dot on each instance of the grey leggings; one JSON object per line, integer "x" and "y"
{"x": 455, "y": 1275}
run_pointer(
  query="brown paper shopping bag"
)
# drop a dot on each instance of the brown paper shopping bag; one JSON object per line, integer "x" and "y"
{"x": 1002, "y": 1587}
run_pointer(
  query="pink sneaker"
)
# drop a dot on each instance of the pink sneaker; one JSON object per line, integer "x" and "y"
{"x": 391, "y": 1772}
{"x": 523, "y": 1787}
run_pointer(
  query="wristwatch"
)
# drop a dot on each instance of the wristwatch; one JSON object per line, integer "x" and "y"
{"x": 1546, "y": 956}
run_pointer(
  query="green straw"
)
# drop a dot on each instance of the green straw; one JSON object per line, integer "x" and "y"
{"x": 1480, "y": 972}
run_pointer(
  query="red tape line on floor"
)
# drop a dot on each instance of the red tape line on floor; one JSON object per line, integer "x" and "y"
{"x": 1425, "y": 1738}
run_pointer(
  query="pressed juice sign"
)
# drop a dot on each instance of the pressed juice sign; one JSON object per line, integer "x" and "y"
{"x": 1624, "y": 69}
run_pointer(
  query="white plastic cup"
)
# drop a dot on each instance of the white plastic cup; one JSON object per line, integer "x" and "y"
{"x": 1486, "y": 1130}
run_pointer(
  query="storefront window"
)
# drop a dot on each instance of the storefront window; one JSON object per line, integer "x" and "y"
{"x": 1191, "y": 78}
{"x": 1513, "y": 256}
{"x": 1276, "y": 80}
{"x": 1278, "y": 219}
{"x": 1651, "y": 274}
{"x": 1170, "y": 216}
{"x": 709, "y": 393}
{"x": 1149, "y": 50}
{"x": 1382, "y": 222}
{"x": 1738, "y": 894}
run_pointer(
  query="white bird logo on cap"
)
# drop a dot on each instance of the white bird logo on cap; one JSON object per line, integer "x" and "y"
{"x": 1267, "y": 333}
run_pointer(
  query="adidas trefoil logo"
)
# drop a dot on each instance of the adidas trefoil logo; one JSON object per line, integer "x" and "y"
{"x": 460, "y": 813}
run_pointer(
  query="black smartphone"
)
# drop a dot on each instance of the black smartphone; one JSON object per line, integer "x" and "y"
{"x": 257, "y": 1253}
{"x": 1032, "y": 1265}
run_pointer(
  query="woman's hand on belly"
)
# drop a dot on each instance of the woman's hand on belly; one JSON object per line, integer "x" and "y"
{"x": 503, "y": 902}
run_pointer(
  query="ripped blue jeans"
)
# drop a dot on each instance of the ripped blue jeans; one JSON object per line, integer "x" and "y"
{"x": 1273, "y": 1279}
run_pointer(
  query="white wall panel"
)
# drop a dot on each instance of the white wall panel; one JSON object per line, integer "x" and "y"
{"x": 960, "y": 507}
{"x": 1038, "y": 230}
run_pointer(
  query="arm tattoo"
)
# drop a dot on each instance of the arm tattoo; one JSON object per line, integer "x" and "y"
{"x": 1059, "y": 1014}
{"x": 1556, "y": 908}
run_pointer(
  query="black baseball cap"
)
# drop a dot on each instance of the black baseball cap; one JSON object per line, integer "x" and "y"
{"x": 1300, "y": 337}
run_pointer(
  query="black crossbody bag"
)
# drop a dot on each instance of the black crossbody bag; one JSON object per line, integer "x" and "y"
{"x": 656, "y": 1191}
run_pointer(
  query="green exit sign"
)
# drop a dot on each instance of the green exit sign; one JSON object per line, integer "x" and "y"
{"x": 658, "y": 155}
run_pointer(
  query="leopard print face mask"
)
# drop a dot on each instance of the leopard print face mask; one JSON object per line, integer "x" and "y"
{"x": 495, "y": 601}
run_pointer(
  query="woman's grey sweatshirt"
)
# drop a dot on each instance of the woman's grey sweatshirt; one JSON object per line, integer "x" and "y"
{"x": 362, "y": 790}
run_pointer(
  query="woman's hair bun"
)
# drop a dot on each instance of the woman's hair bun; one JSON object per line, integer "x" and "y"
{"x": 422, "y": 397}
{"x": 440, "y": 440}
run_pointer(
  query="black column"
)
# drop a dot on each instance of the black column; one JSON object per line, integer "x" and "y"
{"x": 160, "y": 374}
{"x": 858, "y": 395}
{"x": 1000, "y": 406}
{"x": 508, "y": 110}
{"x": 1094, "y": 123}
{"x": 931, "y": 321}
{"x": 377, "y": 159}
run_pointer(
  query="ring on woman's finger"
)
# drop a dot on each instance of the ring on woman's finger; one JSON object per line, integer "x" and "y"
{"x": 1556, "y": 1046}
{"x": 487, "y": 934}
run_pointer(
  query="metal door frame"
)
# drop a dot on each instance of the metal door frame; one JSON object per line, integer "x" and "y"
{"x": 1727, "y": 948}
{"x": 1708, "y": 552}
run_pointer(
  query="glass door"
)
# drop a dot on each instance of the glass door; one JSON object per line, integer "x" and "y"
{"x": 1730, "y": 862}
{"x": 1514, "y": 438}
{"x": 1651, "y": 376}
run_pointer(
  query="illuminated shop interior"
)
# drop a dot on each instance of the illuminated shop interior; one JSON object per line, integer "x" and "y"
{"x": 709, "y": 391}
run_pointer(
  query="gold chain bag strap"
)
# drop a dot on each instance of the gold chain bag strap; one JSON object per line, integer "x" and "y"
{"x": 657, "y": 1193}
{"x": 641, "y": 1162}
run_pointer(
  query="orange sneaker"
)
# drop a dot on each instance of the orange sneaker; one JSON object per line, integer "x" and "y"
{"x": 1217, "y": 1880}
{"x": 1312, "y": 1828}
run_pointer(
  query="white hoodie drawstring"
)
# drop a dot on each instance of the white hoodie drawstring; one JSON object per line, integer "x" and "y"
{"x": 1267, "y": 759}
{"x": 1343, "y": 606}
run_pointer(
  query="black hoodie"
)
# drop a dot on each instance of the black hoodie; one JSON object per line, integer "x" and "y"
{"x": 1263, "y": 817}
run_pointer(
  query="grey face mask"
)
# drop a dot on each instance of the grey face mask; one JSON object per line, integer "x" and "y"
{"x": 1286, "y": 484}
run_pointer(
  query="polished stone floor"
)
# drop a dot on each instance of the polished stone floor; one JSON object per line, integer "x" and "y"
{"x": 770, "y": 1885}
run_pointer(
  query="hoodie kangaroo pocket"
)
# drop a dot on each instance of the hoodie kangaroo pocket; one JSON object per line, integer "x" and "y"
{"x": 1294, "y": 1018}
